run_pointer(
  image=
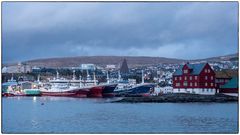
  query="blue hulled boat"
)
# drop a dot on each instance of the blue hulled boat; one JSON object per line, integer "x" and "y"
{"x": 137, "y": 90}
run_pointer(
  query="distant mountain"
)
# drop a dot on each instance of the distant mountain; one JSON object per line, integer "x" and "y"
{"x": 132, "y": 61}
{"x": 231, "y": 57}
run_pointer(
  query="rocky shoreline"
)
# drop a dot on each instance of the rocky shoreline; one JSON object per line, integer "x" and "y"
{"x": 179, "y": 98}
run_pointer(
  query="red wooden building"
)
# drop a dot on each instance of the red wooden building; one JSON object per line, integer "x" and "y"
{"x": 194, "y": 78}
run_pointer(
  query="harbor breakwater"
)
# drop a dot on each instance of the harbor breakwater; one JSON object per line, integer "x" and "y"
{"x": 179, "y": 98}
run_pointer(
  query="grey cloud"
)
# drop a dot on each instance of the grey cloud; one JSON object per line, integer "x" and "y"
{"x": 170, "y": 29}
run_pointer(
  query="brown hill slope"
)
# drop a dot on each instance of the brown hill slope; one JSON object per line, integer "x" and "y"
{"x": 101, "y": 61}
{"x": 104, "y": 60}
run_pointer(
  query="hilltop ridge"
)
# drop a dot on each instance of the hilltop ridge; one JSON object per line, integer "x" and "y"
{"x": 132, "y": 61}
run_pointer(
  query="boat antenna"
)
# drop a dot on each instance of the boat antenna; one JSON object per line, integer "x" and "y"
{"x": 142, "y": 77}
{"x": 57, "y": 75}
{"x": 94, "y": 78}
{"x": 38, "y": 79}
{"x": 107, "y": 78}
{"x": 80, "y": 78}
{"x": 119, "y": 75}
{"x": 88, "y": 76}
{"x": 74, "y": 77}
{"x": 12, "y": 78}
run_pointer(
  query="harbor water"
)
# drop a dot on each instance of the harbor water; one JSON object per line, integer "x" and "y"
{"x": 76, "y": 115}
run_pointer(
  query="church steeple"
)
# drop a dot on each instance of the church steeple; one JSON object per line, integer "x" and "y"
{"x": 124, "y": 67}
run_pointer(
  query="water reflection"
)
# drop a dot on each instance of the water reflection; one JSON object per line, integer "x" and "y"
{"x": 34, "y": 99}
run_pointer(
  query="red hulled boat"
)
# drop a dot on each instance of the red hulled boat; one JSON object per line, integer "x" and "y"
{"x": 95, "y": 91}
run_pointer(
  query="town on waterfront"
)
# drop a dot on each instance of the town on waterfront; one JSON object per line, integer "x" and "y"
{"x": 84, "y": 69}
{"x": 206, "y": 77}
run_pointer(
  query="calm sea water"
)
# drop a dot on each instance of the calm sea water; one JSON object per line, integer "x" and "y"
{"x": 74, "y": 115}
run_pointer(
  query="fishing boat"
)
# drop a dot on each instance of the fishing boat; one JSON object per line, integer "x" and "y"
{"x": 72, "y": 88}
{"x": 59, "y": 87}
{"x": 57, "y": 90}
{"x": 137, "y": 90}
{"x": 95, "y": 91}
{"x": 143, "y": 89}
{"x": 9, "y": 87}
{"x": 108, "y": 88}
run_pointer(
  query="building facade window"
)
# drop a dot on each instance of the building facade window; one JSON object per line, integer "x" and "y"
{"x": 185, "y": 78}
{"x": 175, "y": 78}
{"x": 195, "y": 77}
{"x": 206, "y": 77}
{"x": 205, "y": 70}
{"x": 185, "y": 71}
{"x": 190, "y": 84}
{"x": 177, "y": 84}
{"x": 190, "y": 77}
{"x": 195, "y": 84}
{"x": 206, "y": 84}
{"x": 208, "y": 70}
{"x": 180, "y": 78}
{"x": 185, "y": 83}
{"x": 211, "y": 77}
{"x": 211, "y": 84}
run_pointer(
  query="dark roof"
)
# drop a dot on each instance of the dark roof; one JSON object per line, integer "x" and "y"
{"x": 196, "y": 69}
{"x": 233, "y": 83}
{"x": 226, "y": 73}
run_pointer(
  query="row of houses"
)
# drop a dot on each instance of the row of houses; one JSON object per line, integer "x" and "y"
{"x": 201, "y": 79}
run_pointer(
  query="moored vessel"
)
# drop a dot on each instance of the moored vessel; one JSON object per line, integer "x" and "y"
{"x": 137, "y": 90}
{"x": 143, "y": 89}
{"x": 61, "y": 87}
{"x": 95, "y": 91}
{"x": 108, "y": 90}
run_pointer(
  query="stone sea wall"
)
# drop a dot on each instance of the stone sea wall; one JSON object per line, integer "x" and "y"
{"x": 180, "y": 98}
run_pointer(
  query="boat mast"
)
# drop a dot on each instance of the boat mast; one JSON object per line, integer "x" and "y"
{"x": 38, "y": 79}
{"x": 11, "y": 78}
{"x": 142, "y": 77}
{"x": 74, "y": 77}
{"x": 119, "y": 76}
{"x": 88, "y": 76}
{"x": 107, "y": 78}
{"x": 94, "y": 78}
{"x": 80, "y": 78}
{"x": 57, "y": 75}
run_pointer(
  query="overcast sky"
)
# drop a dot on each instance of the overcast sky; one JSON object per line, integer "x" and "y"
{"x": 187, "y": 30}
